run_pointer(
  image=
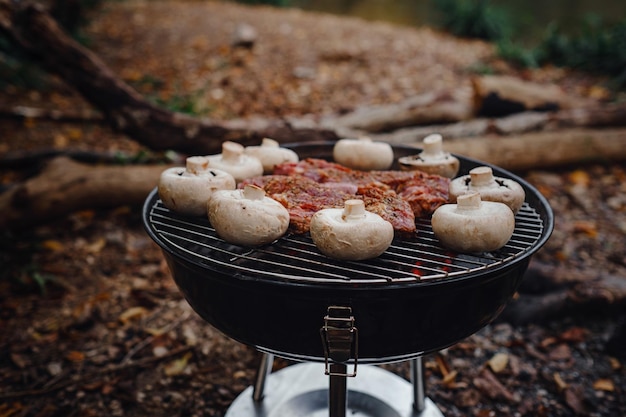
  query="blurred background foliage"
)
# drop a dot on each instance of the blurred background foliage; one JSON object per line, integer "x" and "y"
{"x": 586, "y": 35}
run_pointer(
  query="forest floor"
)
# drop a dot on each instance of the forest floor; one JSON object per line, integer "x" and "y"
{"x": 91, "y": 322}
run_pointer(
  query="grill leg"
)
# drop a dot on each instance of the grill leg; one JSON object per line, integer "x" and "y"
{"x": 265, "y": 368}
{"x": 338, "y": 390}
{"x": 417, "y": 378}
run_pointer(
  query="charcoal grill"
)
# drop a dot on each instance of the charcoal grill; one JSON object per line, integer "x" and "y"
{"x": 287, "y": 299}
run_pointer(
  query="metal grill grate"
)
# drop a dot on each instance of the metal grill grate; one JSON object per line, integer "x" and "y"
{"x": 295, "y": 258}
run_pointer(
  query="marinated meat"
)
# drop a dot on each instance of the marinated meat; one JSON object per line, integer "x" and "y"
{"x": 303, "y": 196}
{"x": 313, "y": 184}
{"x": 424, "y": 192}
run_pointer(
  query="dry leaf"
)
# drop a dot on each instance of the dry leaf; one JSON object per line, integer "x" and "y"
{"x": 19, "y": 360}
{"x": 587, "y": 227}
{"x": 604, "y": 385}
{"x": 132, "y": 313}
{"x": 579, "y": 177}
{"x": 575, "y": 400}
{"x": 489, "y": 385}
{"x": 60, "y": 140}
{"x": 561, "y": 385}
{"x": 53, "y": 245}
{"x": 97, "y": 246}
{"x": 75, "y": 134}
{"x": 29, "y": 122}
{"x": 498, "y": 362}
{"x": 156, "y": 332}
{"x": 598, "y": 92}
{"x": 548, "y": 341}
{"x": 177, "y": 366}
{"x": 560, "y": 352}
{"x": 575, "y": 334}
{"x": 75, "y": 356}
{"x": 8, "y": 410}
{"x": 448, "y": 380}
{"x": 442, "y": 364}
{"x": 615, "y": 364}
{"x": 239, "y": 374}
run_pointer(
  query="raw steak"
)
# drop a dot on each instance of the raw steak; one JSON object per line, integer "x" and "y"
{"x": 422, "y": 191}
{"x": 303, "y": 196}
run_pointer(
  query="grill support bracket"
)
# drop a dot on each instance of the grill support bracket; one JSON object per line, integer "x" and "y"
{"x": 340, "y": 339}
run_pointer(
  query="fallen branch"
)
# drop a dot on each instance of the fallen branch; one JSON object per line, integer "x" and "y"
{"x": 18, "y": 159}
{"x": 66, "y": 116}
{"x": 64, "y": 186}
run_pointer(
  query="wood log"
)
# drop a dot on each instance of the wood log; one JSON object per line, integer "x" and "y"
{"x": 552, "y": 292}
{"x": 520, "y": 152}
{"x": 425, "y": 109}
{"x": 608, "y": 115}
{"x": 65, "y": 186}
{"x": 502, "y": 95}
{"x": 545, "y": 149}
{"x": 37, "y": 33}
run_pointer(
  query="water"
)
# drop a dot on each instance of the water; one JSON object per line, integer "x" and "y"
{"x": 532, "y": 15}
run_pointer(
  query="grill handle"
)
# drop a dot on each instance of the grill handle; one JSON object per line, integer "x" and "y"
{"x": 340, "y": 340}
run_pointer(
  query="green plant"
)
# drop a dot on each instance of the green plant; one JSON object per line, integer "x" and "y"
{"x": 517, "y": 54}
{"x": 19, "y": 265}
{"x": 183, "y": 103}
{"x": 598, "y": 48}
{"x": 474, "y": 19}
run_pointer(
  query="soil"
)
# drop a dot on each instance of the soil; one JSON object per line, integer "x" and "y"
{"x": 93, "y": 324}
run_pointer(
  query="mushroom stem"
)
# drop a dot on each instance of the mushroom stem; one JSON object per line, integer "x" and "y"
{"x": 470, "y": 201}
{"x": 353, "y": 210}
{"x": 196, "y": 164}
{"x": 252, "y": 192}
{"x": 270, "y": 143}
{"x": 433, "y": 146}
{"x": 481, "y": 176}
{"x": 231, "y": 151}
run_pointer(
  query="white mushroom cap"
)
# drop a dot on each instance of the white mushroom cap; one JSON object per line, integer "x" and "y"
{"x": 432, "y": 159}
{"x": 491, "y": 188}
{"x": 473, "y": 225}
{"x": 234, "y": 161}
{"x": 186, "y": 190}
{"x": 247, "y": 217}
{"x": 363, "y": 154}
{"x": 351, "y": 232}
{"x": 271, "y": 154}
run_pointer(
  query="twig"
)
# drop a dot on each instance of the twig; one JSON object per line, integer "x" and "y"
{"x": 94, "y": 375}
{"x": 145, "y": 342}
{"x": 25, "y": 112}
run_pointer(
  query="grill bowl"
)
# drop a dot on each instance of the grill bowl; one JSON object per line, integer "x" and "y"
{"x": 416, "y": 298}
